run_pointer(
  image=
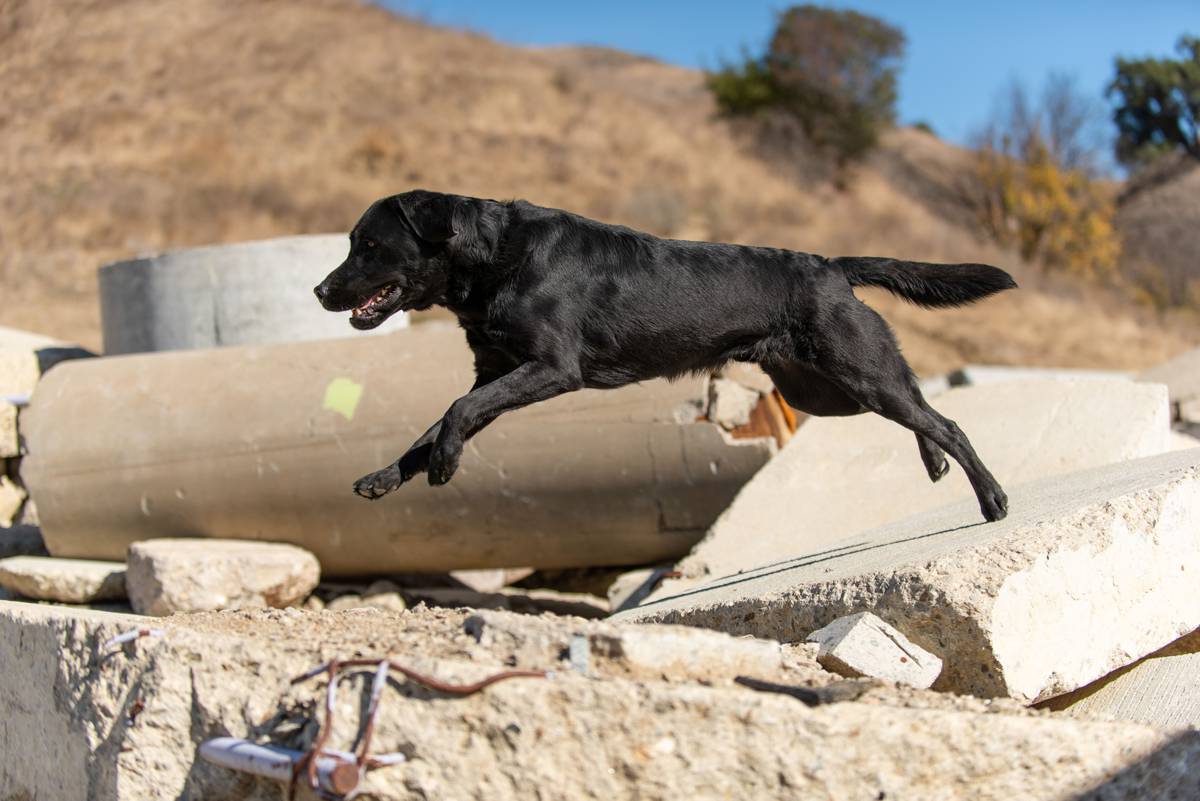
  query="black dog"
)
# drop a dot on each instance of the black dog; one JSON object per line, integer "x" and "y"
{"x": 552, "y": 302}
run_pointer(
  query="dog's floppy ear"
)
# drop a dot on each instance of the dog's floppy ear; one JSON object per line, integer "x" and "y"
{"x": 431, "y": 214}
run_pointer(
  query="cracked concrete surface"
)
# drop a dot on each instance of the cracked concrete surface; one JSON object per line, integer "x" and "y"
{"x": 1036, "y": 605}
{"x": 125, "y": 725}
{"x": 840, "y": 476}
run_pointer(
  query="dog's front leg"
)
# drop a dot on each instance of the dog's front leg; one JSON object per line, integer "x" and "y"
{"x": 415, "y": 460}
{"x": 529, "y": 383}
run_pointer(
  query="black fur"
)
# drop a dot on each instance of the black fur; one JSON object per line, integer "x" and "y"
{"x": 552, "y": 302}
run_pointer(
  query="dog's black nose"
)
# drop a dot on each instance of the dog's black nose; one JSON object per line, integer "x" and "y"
{"x": 321, "y": 291}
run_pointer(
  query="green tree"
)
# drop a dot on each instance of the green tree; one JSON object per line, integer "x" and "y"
{"x": 1158, "y": 104}
{"x": 834, "y": 71}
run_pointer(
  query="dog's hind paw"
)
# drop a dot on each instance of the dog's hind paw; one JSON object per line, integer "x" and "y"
{"x": 380, "y": 483}
{"x": 994, "y": 505}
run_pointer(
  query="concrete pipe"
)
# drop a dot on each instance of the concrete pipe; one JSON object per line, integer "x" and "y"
{"x": 251, "y": 293}
{"x": 265, "y": 442}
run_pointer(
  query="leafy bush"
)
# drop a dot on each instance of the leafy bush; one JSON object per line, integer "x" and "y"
{"x": 1038, "y": 186}
{"x": 834, "y": 71}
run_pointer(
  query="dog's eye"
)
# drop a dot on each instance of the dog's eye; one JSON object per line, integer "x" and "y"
{"x": 369, "y": 243}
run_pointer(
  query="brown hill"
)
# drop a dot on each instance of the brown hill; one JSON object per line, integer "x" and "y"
{"x": 1159, "y": 219}
{"x": 140, "y": 125}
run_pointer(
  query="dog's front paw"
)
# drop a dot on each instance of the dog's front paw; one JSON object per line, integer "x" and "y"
{"x": 379, "y": 483}
{"x": 443, "y": 463}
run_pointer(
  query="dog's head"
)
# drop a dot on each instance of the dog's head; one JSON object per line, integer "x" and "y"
{"x": 401, "y": 254}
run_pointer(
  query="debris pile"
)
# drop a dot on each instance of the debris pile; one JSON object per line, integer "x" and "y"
{"x": 678, "y": 590}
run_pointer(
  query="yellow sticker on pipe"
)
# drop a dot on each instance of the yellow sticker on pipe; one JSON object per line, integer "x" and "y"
{"x": 342, "y": 396}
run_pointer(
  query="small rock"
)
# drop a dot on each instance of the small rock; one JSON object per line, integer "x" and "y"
{"x": 378, "y": 595}
{"x": 863, "y": 645}
{"x": 200, "y": 575}
{"x": 72, "y": 581}
{"x": 9, "y": 442}
{"x": 491, "y": 580}
{"x": 11, "y": 498}
{"x": 729, "y": 403}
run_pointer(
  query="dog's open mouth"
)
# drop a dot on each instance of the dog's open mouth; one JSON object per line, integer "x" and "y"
{"x": 377, "y": 308}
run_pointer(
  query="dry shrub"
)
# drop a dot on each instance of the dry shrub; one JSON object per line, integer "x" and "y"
{"x": 1052, "y": 215}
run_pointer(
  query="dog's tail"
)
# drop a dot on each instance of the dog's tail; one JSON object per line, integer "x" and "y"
{"x": 930, "y": 285}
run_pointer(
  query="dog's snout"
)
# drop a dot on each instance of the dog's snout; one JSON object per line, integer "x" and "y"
{"x": 321, "y": 291}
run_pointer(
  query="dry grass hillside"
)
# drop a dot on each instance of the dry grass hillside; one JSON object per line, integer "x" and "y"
{"x": 140, "y": 125}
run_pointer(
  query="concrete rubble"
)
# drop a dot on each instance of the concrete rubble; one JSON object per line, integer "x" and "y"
{"x": 1033, "y": 606}
{"x": 10, "y": 445}
{"x": 221, "y": 295}
{"x": 840, "y": 476}
{"x": 25, "y": 356}
{"x": 273, "y": 455}
{"x": 1182, "y": 377}
{"x": 863, "y": 645}
{"x": 12, "y": 498}
{"x": 979, "y": 374}
{"x": 1163, "y": 690}
{"x": 72, "y": 581}
{"x": 653, "y": 717}
{"x": 166, "y": 576}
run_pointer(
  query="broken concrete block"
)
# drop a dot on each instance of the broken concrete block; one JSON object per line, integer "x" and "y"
{"x": 979, "y": 374}
{"x": 1088, "y": 573}
{"x": 132, "y": 723}
{"x": 11, "y": 499}
{"x": 273, "y": 455}
{"x": 71, "y": 581}
{"x": 490, "y": 580}
{"x": 1182, "y": 442}
{"x": 863, "y": 645}
{"x": 840, "y": 476}
{"x": 1161, "y": 690}
{"x": 10, "y": 443}
{"x": 193, "y": 575}
{"x": 377, "y": 595}
{"x": 1181, "y": 375}
{"x": 25, "y": 356}
{"x": 730, "y": 404}
{"x": 676, "y": 653}
{"x": 634, "y": 586}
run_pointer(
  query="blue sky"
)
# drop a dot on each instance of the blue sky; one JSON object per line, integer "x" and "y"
{"x": 960, "y": 53}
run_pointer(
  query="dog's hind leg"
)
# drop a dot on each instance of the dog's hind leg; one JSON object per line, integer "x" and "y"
{"x": 809, "y": 391}
{"x": 854, "y": 348}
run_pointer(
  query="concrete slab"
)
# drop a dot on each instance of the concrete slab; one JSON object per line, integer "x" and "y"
{"x": 24, "y": 356}
{"x": 981, "y": 374}
{"x": 592, "y": 478}
{"x": 1161, "y": 690}
{"x": 73, "y": 581}
{"x": 863, "y": 645}
{"x": 1182, "y": 442}
{"x": 126, "y": 723}
{"x": 12, "y": 497}
{"x": 1181, "y": 375}
{"x": 840, "y": 476}
{"x": 10, "y": 444}
{"x": 1088, "y": 573}
{"x": 199, "y": 575}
